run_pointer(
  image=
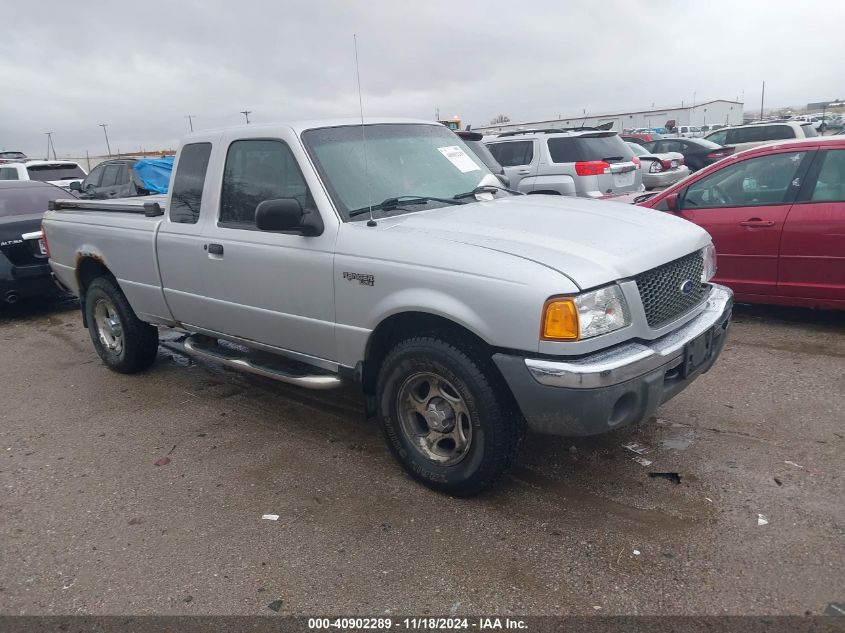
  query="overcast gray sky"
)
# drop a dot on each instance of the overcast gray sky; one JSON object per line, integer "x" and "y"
{"x": 142, "y": 66}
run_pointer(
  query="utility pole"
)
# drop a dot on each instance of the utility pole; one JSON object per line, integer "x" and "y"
{"x": 246, "y": 114}
{"x": 762, "y": 98}
{"x": 104, "y": 126}
{"x": 190, "y": 118}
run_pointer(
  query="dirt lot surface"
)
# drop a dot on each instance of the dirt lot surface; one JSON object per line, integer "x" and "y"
{"x": 91, "y": 525}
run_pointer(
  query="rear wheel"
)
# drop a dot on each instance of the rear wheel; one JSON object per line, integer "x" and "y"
{"x": 124, "y": 342}
{"x": 448, "y": 417}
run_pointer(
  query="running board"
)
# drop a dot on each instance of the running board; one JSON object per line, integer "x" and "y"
{"x": 203, "y": 346}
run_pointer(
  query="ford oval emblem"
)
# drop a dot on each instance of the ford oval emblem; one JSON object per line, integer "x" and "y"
{"x": 687, "y": 286}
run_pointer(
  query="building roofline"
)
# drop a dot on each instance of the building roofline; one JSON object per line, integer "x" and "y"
{"x": 604, "y": 115}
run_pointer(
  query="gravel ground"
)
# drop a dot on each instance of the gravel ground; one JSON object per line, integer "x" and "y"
{"x": 91, "y": 525}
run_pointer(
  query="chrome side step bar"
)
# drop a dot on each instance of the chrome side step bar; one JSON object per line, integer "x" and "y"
{"x": 196, "y": 346}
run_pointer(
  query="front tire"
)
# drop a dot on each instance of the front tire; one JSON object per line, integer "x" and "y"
{"x": 448, "y": 416}
{"x": 124, "y": 342}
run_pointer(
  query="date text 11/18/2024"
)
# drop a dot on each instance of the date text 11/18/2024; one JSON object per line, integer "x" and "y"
{"x": 423, "y": 623}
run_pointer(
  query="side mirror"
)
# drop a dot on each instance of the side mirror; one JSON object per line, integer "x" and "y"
{"x": 671, "y": 201}
{"x": 286, "y": 214}
{"x": 76, "y": 186}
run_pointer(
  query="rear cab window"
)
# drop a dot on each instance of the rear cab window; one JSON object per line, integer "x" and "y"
{"x": 57, "y": 171}
{"x": 512, "y": 153}
{"x": 188, "y": 183}
{"x": 589, "y": 147}
{"x": 8, "y": 173}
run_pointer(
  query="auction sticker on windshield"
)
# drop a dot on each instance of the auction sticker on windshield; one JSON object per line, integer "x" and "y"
{"x": 458, "y": 158}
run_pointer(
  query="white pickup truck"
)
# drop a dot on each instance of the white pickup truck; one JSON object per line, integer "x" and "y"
{"x": 386, "y": 254}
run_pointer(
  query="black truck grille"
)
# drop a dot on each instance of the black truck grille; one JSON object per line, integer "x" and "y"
{"x": 664, "y": 290}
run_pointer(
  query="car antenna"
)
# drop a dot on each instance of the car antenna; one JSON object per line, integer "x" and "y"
{"x": 371, "y": 221}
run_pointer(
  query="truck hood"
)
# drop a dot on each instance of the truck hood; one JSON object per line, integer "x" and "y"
{"x": 589, "y": 241}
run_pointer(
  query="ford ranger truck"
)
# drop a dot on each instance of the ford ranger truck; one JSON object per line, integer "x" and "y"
{"x": 385, "y": 253}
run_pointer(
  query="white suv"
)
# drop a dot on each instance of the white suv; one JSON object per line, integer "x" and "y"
{"x": 61, "y": 173}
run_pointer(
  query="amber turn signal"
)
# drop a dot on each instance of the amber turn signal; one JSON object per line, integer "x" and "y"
{"x": 560, "y": 320}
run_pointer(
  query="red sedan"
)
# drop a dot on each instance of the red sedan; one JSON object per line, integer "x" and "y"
{"x": 777, "y": 217}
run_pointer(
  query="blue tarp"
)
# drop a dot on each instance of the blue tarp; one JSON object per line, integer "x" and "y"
{"x": 154, "y": 173}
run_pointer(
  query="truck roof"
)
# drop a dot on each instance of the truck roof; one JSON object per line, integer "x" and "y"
{"x": 302, "y": 125}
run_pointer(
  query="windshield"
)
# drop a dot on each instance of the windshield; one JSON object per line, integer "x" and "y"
{"x": 403, "y": 159}
{"x": 56, "y": 171}
{"x": 639, "y": 150}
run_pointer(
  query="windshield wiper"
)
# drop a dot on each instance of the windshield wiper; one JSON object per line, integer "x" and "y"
{"x": 487, "y": 189}
{"x": 392, "y": 203}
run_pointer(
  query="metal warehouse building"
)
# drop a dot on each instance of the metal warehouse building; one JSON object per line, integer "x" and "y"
{"x": 708, "y": 113}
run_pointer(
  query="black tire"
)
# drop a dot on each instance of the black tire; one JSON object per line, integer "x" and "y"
{"x": 138, "y": 340}
{"x": 497, "y": 426}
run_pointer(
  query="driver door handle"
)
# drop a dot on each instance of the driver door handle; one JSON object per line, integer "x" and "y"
{"x": 524, "y": 172}
{"x": 214, "y": 249}
{"x": 757, "y": 222}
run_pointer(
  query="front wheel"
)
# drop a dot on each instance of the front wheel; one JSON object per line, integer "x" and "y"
{"x": 124, "y": 342}
{"x": 448, "y": 416}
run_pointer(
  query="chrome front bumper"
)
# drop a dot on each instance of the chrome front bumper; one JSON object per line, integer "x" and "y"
{"x": 620, "y": 386}
{"x": 630, "y": 360}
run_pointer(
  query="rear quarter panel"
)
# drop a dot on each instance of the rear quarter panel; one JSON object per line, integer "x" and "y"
{"x": 124, "y": 243}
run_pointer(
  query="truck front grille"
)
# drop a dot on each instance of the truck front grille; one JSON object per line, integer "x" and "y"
{"x": 671, "y": 290}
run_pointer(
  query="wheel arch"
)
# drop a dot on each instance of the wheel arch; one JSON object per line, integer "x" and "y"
{"x": 88, "y": 268}
{"x": 405, "y": 324}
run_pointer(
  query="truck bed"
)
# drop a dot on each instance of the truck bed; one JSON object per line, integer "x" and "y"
{"x": 119, "y": 234}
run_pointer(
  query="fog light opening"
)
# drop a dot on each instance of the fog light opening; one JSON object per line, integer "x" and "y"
{"x": 622, "y": 409}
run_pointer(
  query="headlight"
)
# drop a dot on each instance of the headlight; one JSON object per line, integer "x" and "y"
{"x": 708, "y": 254}
{"x": 585, "y": 315}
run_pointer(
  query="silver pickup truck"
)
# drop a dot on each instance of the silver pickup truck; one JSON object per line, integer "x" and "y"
{"x": 386, "y": 254}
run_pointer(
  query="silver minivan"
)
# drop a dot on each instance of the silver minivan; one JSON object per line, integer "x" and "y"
{"x": 587, "y": 163}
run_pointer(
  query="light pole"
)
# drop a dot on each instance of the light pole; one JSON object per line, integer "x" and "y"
{"x": 190, "y": 118}
{"x": 49, "y": 143}
{"x": 108, "y": 147}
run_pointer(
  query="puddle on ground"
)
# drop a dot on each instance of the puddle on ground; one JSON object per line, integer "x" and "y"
{"x": 676, "y": 443}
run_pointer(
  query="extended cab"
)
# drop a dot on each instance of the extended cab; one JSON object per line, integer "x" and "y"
{"x": 386, "y": 254}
